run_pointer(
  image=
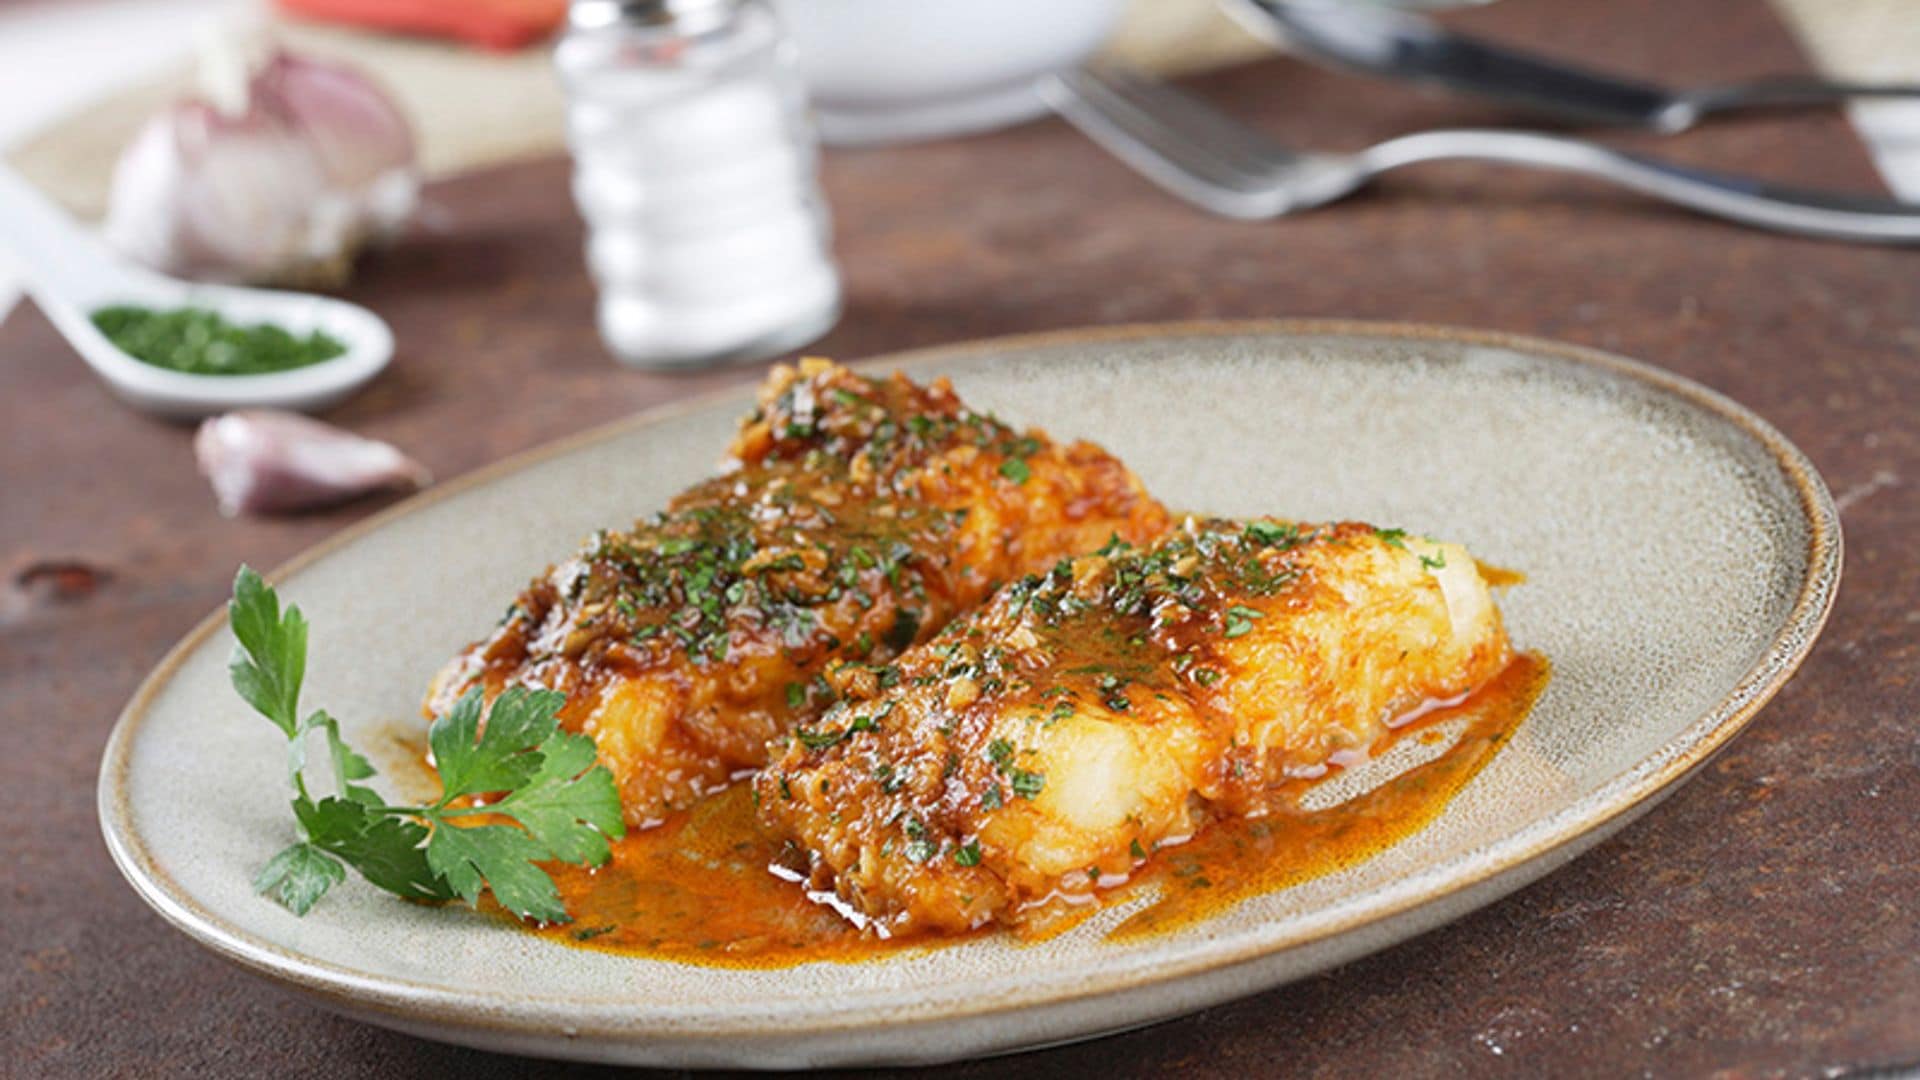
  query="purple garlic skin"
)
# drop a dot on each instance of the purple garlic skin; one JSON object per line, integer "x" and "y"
{"x": 263, "y": 461}
{"x": 280, "y": 178}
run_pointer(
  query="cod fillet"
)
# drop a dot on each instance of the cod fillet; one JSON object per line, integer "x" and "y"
{"x": 1042, "y": 746}
{"x": 854, "y": 517}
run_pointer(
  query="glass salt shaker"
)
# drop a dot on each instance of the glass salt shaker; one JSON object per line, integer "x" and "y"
{"x": 695, "y": 169}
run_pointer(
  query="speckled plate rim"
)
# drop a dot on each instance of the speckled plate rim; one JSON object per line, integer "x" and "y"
{"x": 571, "y": 1027}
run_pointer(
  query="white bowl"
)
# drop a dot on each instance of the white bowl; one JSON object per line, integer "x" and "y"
{"x": 898, "y": 70}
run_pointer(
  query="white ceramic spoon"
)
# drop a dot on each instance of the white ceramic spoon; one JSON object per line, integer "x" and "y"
{"x": 71, "y": 274}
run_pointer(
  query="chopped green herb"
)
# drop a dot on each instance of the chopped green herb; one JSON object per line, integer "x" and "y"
{"x": 967, "y": 854}
{"x": 820, "y": 740}
{"x": 1000, "y": 751}
{"x": 1239, "y": 620}
{"x": 1015, "y": 470}
{"x": 201, "y": 342}
{"x": 1026, "y": 784}
{"x": 1266, "y": 532}
{"x": 1392, "y": 537}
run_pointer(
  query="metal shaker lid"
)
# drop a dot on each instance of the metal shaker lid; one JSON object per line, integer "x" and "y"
{"x": 689, "y": 15}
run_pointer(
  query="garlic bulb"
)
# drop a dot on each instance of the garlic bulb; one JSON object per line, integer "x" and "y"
{"x": 278, "y": 173}
{"x": 263, "y": 461}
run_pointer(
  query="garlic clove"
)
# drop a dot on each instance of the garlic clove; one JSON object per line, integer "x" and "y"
{"x": 264, "y": 461}
{"x": 359, "y": 134}
{"x": 247, "y": 194}
{"x": 280, "y": 176}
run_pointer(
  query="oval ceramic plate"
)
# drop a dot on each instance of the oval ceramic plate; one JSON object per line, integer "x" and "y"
{"x": 1680, "y": 558}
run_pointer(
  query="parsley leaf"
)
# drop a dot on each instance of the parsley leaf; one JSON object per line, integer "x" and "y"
{"x": 383, "y": 848}
{"x": 502, "y": 858}
{"x": 299, "y": 876}
{"x": 570, "y": 806}
{"x": 561, "y": 803}
{"x": 270, "y": 655}
{"x": 502, "y": 756}
{"x": 347, "y": 765}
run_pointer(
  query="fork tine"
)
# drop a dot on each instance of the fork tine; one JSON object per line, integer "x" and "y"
{"x": 1167, "y": 133}
{"x": 1154, "y": 149}
{"x": 1222, "y": 135}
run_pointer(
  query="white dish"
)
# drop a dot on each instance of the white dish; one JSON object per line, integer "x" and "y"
{"x": 70, "y": 274}
{"x": 899, "y": 70}
{"x": 1680, "y": 559}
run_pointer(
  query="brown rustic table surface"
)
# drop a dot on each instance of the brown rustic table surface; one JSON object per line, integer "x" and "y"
{"x": 1765, "y": 920}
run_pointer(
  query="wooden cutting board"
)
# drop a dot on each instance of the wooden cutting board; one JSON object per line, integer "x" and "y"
{"x": 1762, "y": 920}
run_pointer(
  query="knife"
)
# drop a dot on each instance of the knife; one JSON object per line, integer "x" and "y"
{"x": 1374, "y": 40}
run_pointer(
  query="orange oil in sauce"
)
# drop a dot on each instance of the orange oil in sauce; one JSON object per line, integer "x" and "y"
{"x": 696, "y": 888}
{"x": 1233, "y": 860}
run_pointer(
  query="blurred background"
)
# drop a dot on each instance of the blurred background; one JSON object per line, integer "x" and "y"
{"x": 79, "y": 77}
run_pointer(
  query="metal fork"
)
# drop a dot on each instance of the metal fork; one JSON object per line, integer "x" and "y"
{"x": 1219, "y": 164}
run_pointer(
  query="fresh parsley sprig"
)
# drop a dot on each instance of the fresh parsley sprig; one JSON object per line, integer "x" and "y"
{"x": 561, "y": 804}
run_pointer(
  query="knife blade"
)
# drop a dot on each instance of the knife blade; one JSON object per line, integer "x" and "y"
{"x": 1374, "y": 40}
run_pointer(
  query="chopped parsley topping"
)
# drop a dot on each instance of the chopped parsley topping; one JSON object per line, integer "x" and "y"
{"x": 1026, "y": 784}
{"x": 1272, "y": 535}
{"x": 200, "y": 341}
{"x": 1000, "y": 751}
{"x": 1239, "y": 620}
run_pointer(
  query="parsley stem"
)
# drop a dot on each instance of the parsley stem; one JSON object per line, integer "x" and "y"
{"x": 434, "y": 812}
